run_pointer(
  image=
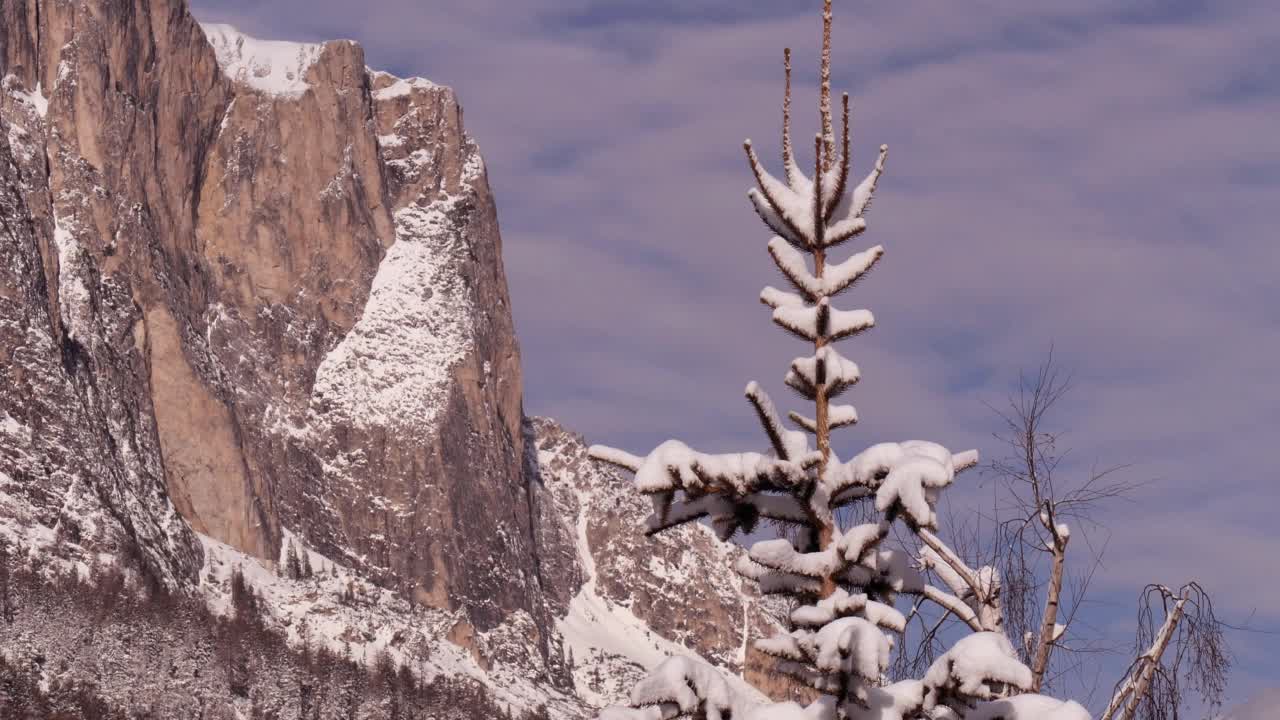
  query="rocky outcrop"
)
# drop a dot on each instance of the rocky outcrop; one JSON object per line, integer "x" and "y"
{"x": 239, "y": 243}
{"x": 636, "y": 599}
{"x": 252, "y": 302}
{"x": 98, "y": 232}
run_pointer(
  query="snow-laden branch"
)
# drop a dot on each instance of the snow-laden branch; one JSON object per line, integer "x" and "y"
{"x": 822, "y": 322}
{"x": 954, "y": 605}
{"x": 781, "y": 555}
{"x": 776, "y": 298}
{"x": 616, "y": 457}
{"x": 983, "y": 585}
{"x": 826, "y": 369}
{"x": 837, "y": 417}
{"x": 786, "y": 211}
{"x": 948, "y": 556}
{"x": 835, "y": 278}
{"x": 787, "y": 444}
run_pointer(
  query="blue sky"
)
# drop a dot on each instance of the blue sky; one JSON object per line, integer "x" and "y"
{"x": 1094, "y": 175}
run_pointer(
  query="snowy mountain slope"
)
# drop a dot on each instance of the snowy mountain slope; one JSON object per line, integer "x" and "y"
{"x": 641, "y": 598}
{"x": 339, "y": 608}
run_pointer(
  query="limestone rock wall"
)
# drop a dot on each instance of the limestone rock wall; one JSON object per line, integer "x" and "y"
{"x": 251, "y": 298}
{"x": 268, "y": 281}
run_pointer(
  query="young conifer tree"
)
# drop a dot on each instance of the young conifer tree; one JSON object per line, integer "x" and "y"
{"x": 843, "y": 580}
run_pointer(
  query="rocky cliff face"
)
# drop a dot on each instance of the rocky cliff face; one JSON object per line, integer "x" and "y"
{"x": 252, "y": 299}
{"x": 636, "y": 600}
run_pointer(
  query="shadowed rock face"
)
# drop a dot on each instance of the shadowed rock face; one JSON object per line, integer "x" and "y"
{"x": 104, "y": 146}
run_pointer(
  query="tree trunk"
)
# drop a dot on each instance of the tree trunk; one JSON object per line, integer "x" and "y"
{"x": 1049, "y": 625}
{"x": 1137, "y": 689}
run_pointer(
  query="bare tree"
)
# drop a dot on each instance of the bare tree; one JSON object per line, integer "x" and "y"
{"x": 1035, "y": 510}
{"x": 1186, "y": 652}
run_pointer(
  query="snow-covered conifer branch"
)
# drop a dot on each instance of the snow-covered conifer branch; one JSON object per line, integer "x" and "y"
{"x": 615, "y": 457}
{"x": 837, "y": 605}
{"x": 841, "y": 180}
{"x": 838, "y": 373}
{"x": 844, "y": 231}
{"x": 1034, "y": 706}
{"x": 783, "y": 647}
{"x": 801, "y": 385}
{"x": 847, "y": 323}
{"x": 964, "y": 460}
{"x": 787, "y": 208}
{"x": 776, "y": 298}
{"x": 788, "y": 153}
{"x": 824, "y": 92}
{"x": 821, "y": 156}
{"x": 954, "y": 605}
{"x": 981, "y": 666}
{"x": 782, "y": 556}
{"x": 728, "y": 514}
{"x": 782, "y": 583}
{"x": 808, "y": 322}
{"x": 792, "y": 265}
{"x": 786, "y": 443}
{"x": 857, "y": 541}
{"x": 669, "y": 513}
{"x": 952, "y": 561}
{"x": 866, "y": 190}
{"x": 838, "y": 416}
{"x": 773, "y": 219}
{"x": 836, "y": 278}
{"x": 842, "y": 276}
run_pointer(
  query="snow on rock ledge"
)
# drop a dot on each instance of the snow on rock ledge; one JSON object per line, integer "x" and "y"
{"x": 274, "y": 67}
{"x": 398, "y": 87}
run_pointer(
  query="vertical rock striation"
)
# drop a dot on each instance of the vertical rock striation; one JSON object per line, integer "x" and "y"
{"x": 272, "y": 281}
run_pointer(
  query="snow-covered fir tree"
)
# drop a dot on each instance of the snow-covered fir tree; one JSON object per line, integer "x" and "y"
{"x": 844, "y": 578}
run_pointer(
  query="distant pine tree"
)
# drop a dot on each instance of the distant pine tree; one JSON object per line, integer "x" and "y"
{"x": 7, "y": 607}
{"x": 293, "y": 567}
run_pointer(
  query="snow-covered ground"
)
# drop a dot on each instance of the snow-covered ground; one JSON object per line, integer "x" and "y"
{"x": 373, "y": 621}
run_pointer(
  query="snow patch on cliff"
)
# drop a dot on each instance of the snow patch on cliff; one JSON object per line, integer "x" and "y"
{"x": 274, "y": 67}
{"x": 403, "y": 87}
{"x": 35, "y": 98}
{"x": 73, "y": 293}
{"x": 393, "y": 369}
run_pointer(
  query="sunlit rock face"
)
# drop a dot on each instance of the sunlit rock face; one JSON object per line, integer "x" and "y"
{"x": 252, "y": 299}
